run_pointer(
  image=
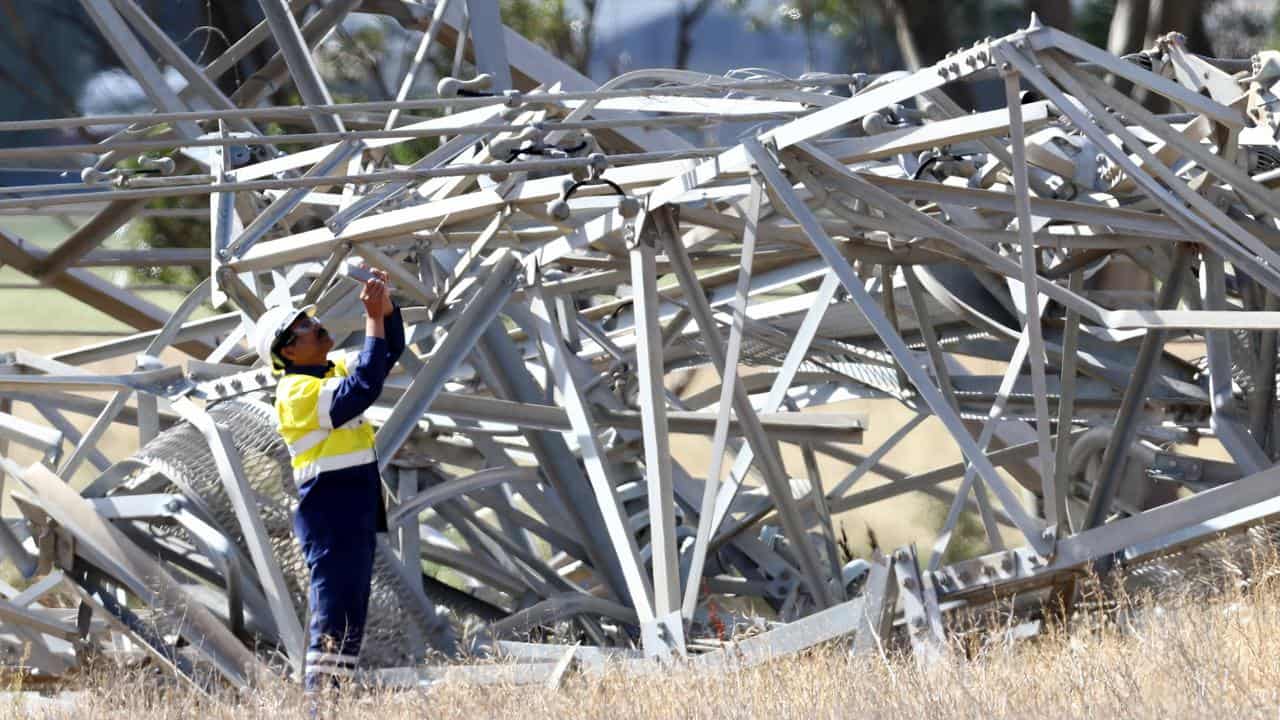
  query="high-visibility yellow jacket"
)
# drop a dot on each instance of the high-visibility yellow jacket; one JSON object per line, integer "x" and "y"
{"x": 319, "y": 412}
{"x": 304, "y": 410}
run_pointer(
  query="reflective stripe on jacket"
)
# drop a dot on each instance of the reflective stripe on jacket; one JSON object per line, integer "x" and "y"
{"x": 319, "y": 408}
{"x": 304, "y": 411}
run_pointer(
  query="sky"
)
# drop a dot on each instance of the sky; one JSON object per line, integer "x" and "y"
{"x": 613, "y": 16}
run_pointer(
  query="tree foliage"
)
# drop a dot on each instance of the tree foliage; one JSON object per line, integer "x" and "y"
{"x": 551, "y": 24}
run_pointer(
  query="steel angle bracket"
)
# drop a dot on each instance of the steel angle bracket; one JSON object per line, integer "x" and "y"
{"x": 18, "y": 616}
{"x": 880, "y": 601}
{"x": 663, "y": 636}
{"x": 106, "y": 547}
{"x": 212, "y": 385}
{"x": 998, "y": 573}
{"x": 29, "y": 626}
{"x": 224, "y": 224}
{"x": 232, "y": 156}
{"x": 920, "y": 610}
{"x": 54, "y": 548}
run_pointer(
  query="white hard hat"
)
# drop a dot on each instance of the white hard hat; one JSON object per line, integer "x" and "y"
{"x": 271, "y": 326}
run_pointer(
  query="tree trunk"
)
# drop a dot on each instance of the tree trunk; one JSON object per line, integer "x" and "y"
{"x": 589, "y": 9}
{"x": 1128, "y": 30}
{"x": 923, "y": 37}
{"x": 232, "y": 21}
{"x": 43, "y": 83}
{"x": 1168, "y": 16}
{"x": 806, "y": 17}
{"x": 686, "y": 18}
{"x": 1128, "y": 26}
{"x": 902, "y": 33}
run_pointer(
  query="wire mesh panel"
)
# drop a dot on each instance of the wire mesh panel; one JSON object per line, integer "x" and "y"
{"x": 397, "y": 621}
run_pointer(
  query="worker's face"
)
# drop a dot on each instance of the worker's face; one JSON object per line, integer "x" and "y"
{"x": 310, "y": 343}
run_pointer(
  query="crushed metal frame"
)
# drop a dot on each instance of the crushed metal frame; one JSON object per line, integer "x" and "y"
{"x": 565, "y": 249}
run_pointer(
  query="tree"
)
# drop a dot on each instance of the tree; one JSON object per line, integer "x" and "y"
{"x": 227, "y": 22}
{"x": 32, "y": 67}
{"x": 550, "y": 24}
{"x": 686, "y": 17}
{"x": 1128, "y": 26}
{"x": 1138, "y": 24}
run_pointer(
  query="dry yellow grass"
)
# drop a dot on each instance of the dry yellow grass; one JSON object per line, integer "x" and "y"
{"x": 1190, "y": 658}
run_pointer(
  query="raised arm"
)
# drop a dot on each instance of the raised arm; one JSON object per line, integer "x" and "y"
{"x": 345, "y": 398}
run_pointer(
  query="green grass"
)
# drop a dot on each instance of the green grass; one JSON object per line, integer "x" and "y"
{"x": 40, "y": 309}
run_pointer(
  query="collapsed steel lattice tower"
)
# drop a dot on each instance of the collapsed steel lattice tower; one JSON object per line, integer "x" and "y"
{"x": 562, "y": 251}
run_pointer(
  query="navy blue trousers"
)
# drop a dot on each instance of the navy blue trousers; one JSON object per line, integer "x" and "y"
{"x": 337, "y": 521}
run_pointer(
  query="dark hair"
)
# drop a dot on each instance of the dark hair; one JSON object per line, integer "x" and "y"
{"x": 277, "y": 359}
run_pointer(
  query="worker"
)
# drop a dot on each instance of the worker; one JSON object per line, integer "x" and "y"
{"x": 319, "y": 408}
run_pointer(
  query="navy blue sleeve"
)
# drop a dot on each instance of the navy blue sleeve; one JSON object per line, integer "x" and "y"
{"x": 394, "y": 327}
{"x": 357, "y": 391}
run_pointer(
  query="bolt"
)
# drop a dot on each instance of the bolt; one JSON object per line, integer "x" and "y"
{"x": 559, "y": 210}
{"x": 172, "y": 506}
{"x": 629, "y": 207}
{"x": 598, "y": 163}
